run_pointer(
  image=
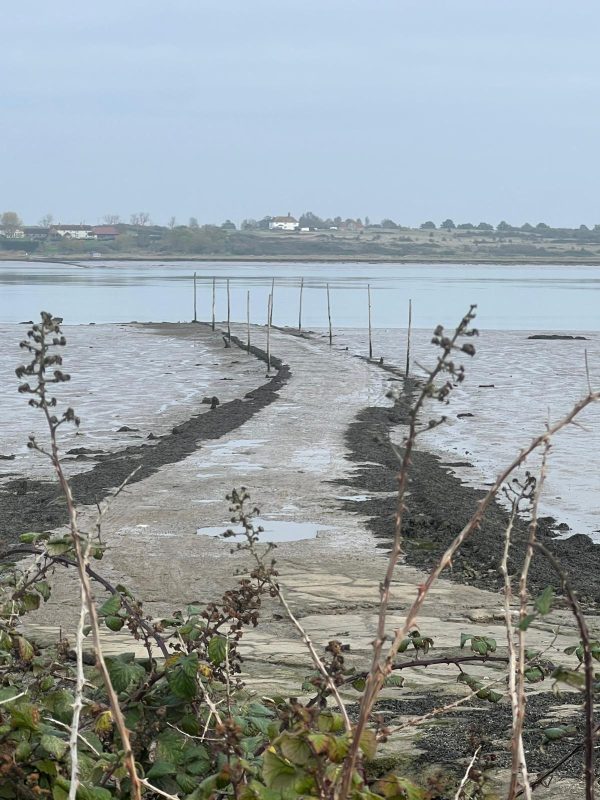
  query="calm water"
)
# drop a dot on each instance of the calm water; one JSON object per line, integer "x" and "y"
{"x": 518, "y": 297}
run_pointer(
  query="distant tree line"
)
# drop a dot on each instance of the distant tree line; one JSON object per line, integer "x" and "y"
{"x": 336, "y": 237}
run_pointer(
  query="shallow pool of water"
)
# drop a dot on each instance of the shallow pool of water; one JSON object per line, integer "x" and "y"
{"x": 275, "y": 530}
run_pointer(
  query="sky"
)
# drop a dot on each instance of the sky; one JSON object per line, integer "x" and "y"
{"x": 412, "y": 110}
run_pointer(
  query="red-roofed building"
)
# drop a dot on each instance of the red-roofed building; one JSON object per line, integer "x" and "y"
{"x": 106, "y": 232}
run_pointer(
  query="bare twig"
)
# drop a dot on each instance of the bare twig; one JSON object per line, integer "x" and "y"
{"x": 463, "y": 783}
{"x": 590, "y": 727}
{"x": 379, "y": 671}
{"x": 314, "y": 655}
{"x": 50, "y": 327}
{"x": 517, "y": 748}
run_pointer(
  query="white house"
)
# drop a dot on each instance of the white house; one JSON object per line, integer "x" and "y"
{"x": 288, "y": 223}
{"x": 73, "y": 231}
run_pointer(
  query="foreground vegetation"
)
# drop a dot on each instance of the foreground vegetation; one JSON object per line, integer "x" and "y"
{"x": 179, "y": 723}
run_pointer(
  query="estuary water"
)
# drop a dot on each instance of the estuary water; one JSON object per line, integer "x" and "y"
{"x": 511, "y": 297}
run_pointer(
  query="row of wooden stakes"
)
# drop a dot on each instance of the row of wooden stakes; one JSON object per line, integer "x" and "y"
{"x": 269, "y": 322}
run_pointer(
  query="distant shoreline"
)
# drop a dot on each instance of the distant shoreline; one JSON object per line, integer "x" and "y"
{"x": 297, "y": 259}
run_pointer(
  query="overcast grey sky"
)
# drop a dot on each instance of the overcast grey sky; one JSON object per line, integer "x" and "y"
{"x": 412, "y": 109}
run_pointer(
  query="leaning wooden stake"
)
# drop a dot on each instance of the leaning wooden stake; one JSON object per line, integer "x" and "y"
{"x": 228, "y": 312}
{"x": 269, "y": 310}
{"x": 300, "y": 305}
{"x": 272, "y": 298}
{"x": 329, "y": 316}
{"x": 195, "y": 308}
{"x": 370, "y": 339}
{"x": 408, "y": 337}
{"x": 248, "y": 318}
{"x": 213, "y": 302}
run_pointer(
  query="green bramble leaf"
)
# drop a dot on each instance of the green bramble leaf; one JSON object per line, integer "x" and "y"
{"x": 161, "y": 768}
{"x": 182, "y": 677}
{"x": 114, "y": 623}
{"x": 393, "y": 681}
{"x": 217, "y": 650}
{"x": 111, "y": 606}
{"x": 278, "y": 774}
{"x": 294, "y": 748}
{"x": 43, "y": 588}
{"x": 543, "y": 602}
{"x": 29, "y": 538}
{"x": 54, "y": 746}
{"x": 558, "y": 732}
{"x": 58, "y": 547}
{"x": 30, "y": 601}
{"x": 123, "y": 672}
{"x": 526, "y": 622}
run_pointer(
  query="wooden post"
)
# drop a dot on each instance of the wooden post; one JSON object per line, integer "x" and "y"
{"x": 213, "y": 302}
{"x": 329, "y": 316}
{"x": 269, "y": 310}
{"x": 408, "y": 336}
{"x": 370, "y": 339}
{"x": 248, "y": 318}
{"x": 300, "y": 306}
{"x": 272, "y": 298}
{"x": 228, "y": 312}
{"x": 195, "y": 308}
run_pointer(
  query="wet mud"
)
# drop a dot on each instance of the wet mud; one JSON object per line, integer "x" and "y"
{"x": 36, "y": 505}
{"x": 440, "y": 504}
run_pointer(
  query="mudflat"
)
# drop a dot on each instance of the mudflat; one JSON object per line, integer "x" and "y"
{"x": 311, "y": 443}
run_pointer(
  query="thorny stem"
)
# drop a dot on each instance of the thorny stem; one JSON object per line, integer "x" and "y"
{"x": 87, "y": 597}
{"x": 519, "y": 762}
{"x": 517, "y": 748}
{"x": 465, "y": 779}
{"x": 147, "y": 627}
{"x": 377, "y": 672}
{"x": 250, "y": 533}
{"x": 590, "y": 728}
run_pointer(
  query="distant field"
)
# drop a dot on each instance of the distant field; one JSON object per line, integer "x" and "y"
{"x": 371, "y": 244}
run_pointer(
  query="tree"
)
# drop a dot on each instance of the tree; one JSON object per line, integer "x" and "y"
{"x": 263, "y": 224}
{"x": 465, "y": 226}
{"x": 527, "y": 227}
{"x": 228, "y": 225}
{"x": 448, "y": 225}
{"x": 193, "y": 223}
{"x": 428, "y": 226}
{"x": 310, "y": 220}
{"x": 367, "y": 222}
{"x": 111, "y": 219}
{"x": 541, "y": 226}
{"x": 388, "y": 223}
{"x": 249, "y": 225}
{"x": 583, "y": 228}
{"x": 172, "y": 223}
{"x": 485, "y": 226}
{"x": 141, "y": 218}
{"x": 46, "y": 221}
{"x": 503, "y": 226}
{"x": 10, "y": 222}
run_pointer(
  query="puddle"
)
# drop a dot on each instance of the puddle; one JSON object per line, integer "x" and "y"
{"x": 276, "y": 530}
